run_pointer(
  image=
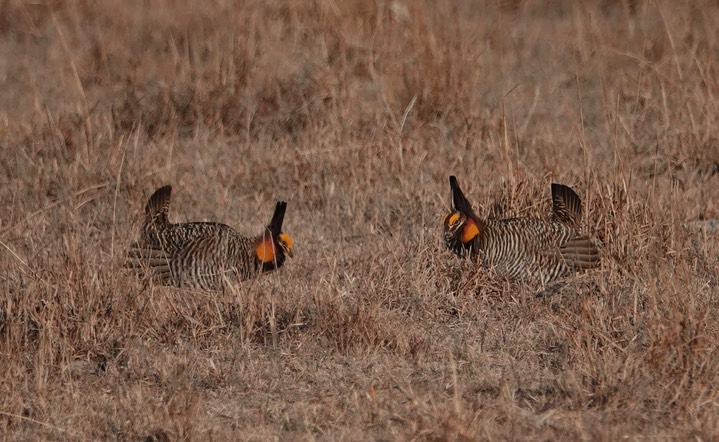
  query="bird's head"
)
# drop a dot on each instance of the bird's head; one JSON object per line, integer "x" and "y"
{"x": 461, "y": 225}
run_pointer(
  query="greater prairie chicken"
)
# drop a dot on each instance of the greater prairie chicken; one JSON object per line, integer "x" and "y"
{"x": 203, "y": 254}
{"x": 524, "y": 248}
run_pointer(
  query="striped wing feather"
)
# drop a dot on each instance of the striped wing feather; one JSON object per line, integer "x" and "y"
{"x": 580, "y": 253}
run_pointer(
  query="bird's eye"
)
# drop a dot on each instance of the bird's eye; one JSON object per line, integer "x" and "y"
{"x": 453, "y": 220}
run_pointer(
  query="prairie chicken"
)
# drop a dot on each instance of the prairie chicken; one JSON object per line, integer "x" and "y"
{"x": 524, "y": 248}
{"x": 203, "y": 254}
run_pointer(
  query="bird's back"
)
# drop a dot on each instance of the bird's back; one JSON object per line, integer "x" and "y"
{"x": 174, "y": 237}
{"x": 527, "y": 248}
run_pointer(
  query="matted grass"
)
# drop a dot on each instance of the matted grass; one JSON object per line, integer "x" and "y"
{"x": 356, "y": 113}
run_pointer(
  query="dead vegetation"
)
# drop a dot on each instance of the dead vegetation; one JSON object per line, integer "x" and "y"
{"x": 356, "y": 113}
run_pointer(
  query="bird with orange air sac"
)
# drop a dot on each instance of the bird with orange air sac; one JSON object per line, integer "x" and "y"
{"x": 526, "y": 248}
{"x": 205, "y": 254}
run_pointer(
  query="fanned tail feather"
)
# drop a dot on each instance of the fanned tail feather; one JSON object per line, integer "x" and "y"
{"x": 566, "y": 205}
{"x": 158, "y": 206}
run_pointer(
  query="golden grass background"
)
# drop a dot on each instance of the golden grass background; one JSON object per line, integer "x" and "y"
{"x": 356, "y": 113}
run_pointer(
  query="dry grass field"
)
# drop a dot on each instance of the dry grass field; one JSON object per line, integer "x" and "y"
{"x": 356, "y": 113}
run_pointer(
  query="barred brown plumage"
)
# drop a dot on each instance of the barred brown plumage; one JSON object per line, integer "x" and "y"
{"x": 525, "y": 248}
{"x": 204, "y": 254}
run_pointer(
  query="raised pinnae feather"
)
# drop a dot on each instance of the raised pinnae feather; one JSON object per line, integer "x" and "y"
{"x": 566, "y": 205}
{"x": 459, "y": 201}
{"x": 275, "y": 225}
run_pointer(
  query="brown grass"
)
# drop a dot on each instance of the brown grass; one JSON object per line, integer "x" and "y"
{"x": 356, "y": 112}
